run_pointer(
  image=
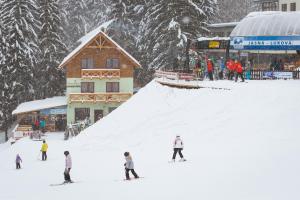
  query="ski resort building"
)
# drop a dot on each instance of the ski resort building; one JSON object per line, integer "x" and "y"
{"x": 99, "y": 77}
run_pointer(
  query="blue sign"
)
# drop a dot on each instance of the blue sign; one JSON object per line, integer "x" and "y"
{"x": 265, "y": 43}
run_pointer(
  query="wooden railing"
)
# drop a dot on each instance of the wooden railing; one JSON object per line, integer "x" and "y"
{"x": 100, "y": 73}
{"x": 98, "y": 97}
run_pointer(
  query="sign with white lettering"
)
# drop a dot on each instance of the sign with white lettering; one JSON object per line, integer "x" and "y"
{"x": 265, "y": 43}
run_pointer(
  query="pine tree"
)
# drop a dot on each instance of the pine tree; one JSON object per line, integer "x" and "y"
{"x": 20, "y": 58}
{"x": 98, "y": 12}
{"x": 51, "y": 80}
{"x": 234, "y": 10}
{"x": 169, "y": 24}
{"x": 76, "y": 21}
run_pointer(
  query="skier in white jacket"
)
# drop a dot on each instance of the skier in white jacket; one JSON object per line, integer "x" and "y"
{"x": 68, "y": 167}
{"x": 178, "y": 147}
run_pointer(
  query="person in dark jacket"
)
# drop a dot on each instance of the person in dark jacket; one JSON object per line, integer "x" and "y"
{"x": 129, "y": 166}
{"x": 18, "y": 161}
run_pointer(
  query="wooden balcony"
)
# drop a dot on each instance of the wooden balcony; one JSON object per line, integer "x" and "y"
{"x": 100, "y": 73}
{"x": 98, "y": 97}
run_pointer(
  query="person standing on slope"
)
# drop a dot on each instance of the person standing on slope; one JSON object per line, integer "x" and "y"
{"x": 129, "y": 166}
{"x": 239, "y": 70}
{"x": 44, "y": 150}
{"x": 68, "y": 167}
{"x": 178, "y": 147}
{"x": 18, "y": 161}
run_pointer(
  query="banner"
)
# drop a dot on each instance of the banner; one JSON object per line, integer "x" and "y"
{"x": 265, "y": 43}
{"x": 278, "y": 75}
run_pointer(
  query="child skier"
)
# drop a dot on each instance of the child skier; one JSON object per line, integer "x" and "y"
{"x": 44, "y": 150}
{"x": 18, "y": 161}
{"x": 68, "y": 167}
{"x": 178, "y": 147}
{"x": 129, "y": 166}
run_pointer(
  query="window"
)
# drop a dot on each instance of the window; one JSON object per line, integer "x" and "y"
{"x": 269, "y": 6}
{"x": 112, "y": 87}
{"x": 284, "y": 7}
{"x": 293, "y": 6}
{"x": 87, "y": 63}
{"x": 87, "y": 87}
{"x": 81, "y": 114}
{"x": 112, "y": 63}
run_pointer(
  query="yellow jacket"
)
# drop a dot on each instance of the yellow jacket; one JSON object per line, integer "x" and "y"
{"x": 44, "y": 147}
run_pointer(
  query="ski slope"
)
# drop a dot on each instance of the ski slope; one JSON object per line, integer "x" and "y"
{"x": 241, "y": 144}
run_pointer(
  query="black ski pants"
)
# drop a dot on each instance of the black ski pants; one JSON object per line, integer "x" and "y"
{"x": 210, "y": 76}
{"x": 44, "y": 155}
{"x": 132, "y": 171}
{"x": 175, "y": 153}
{"x": 239, "y": 75}
{"x": 18, "y": 166}
{"x": 67, "y": 174}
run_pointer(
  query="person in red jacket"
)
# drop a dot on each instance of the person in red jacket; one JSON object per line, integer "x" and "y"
{"x": 210, "y": 68}
{"x": 239, "y": 70}
{"x": 230, "y": 67}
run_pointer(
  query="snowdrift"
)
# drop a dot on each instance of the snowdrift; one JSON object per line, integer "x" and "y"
{"x": 241, "y": 143}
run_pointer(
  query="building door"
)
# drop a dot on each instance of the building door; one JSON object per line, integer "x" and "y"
{"x": 98, "y": 114}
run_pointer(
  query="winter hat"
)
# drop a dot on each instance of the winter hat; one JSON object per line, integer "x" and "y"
{"x": 177, "y": 136}
{"x": 126, "y": 154}
{"x": 66, "y": 153}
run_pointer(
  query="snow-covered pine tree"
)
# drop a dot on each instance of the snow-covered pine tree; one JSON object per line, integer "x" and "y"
{"x": 123, "y": 28}
{"x": 168, "y": 25}
{"x": 2, "y": 72}
{"x": 98, "y": 12}
{"x": 76, "y": 21}
{"x": 234, "y": 10}
{"x": 20, "y": 58}
{"x": 51, "y": 80}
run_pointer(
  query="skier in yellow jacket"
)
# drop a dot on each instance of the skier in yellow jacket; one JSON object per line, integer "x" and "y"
{"x": 44, "y": 150}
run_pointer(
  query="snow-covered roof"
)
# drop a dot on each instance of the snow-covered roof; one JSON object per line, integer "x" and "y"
{"x": 213, "y": 38}
{"x": 36, "y": 105}
{"x": 269, "y": 23}
{"x": 85, "y": 40}
{"x": 222, "y": 25}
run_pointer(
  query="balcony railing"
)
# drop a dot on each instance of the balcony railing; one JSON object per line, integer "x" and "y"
{"x": 98, "y": 97}
{"x": 100, "y": 73}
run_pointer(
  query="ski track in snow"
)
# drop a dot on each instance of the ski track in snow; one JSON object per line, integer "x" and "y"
{"x": 240, "y": 144}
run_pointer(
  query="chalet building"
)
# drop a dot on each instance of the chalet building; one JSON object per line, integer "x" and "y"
{"x": 99, "y": 77}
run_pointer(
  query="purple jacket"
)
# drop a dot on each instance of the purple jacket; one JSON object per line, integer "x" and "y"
{"x": 18, "y": 159}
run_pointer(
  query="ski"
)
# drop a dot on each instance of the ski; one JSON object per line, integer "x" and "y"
{"x": 131, "y": 179}
{"x": 63, "y": 183}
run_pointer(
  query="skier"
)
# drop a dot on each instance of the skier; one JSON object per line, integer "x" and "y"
{"x": 178, "y": 147}
{"x": 210, "y": 69}
{"x": 44, "y": 150}
{"x": 68, "y": 167}
{"x": 239, "y": 70}
{"x": 18, "y": 161}
{"x": 230, "y": 67}
{"x": 129, "y": 166}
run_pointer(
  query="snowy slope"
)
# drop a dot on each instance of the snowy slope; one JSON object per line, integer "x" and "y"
{"x": 241, "y": 144}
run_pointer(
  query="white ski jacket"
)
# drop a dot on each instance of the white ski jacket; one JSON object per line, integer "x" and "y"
{"x": 178, "y": 143}
{"x": 68, "y": 161}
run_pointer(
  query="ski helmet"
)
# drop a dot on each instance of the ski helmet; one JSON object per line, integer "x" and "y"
{"x": 66, "y": 153}
{"x": 126, "y": 154}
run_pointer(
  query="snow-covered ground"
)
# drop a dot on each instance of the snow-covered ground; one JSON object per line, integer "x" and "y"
{"x": 241, "y": 144}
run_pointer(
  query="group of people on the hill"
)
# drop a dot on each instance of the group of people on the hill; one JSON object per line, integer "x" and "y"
{"x": 44, "y": 149}
{"x": 129, "y": 165}
{"x": 218, "y": 69}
